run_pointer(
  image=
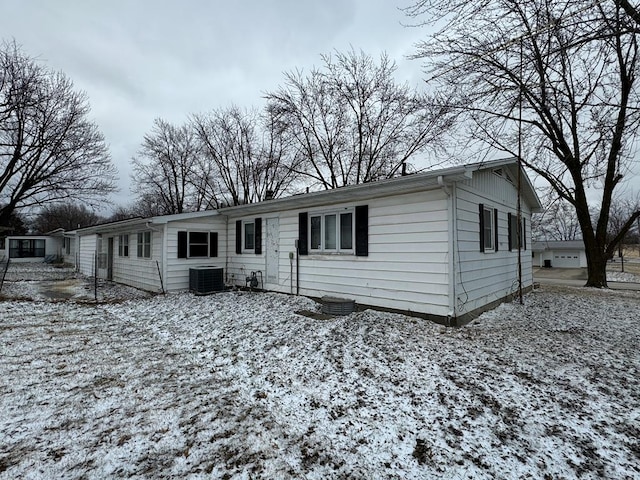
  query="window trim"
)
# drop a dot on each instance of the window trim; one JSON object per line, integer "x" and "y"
{"x": 143, "y": 245}
{"x": 190, "y": 243}
{"x": 246, "y": 248}
{"x": 123, "y": 245}
{"x": 492, "y": 229}
{"x": 323, "y": 214}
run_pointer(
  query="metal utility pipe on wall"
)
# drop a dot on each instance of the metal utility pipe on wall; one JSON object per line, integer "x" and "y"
{"x": 297, "y": 268}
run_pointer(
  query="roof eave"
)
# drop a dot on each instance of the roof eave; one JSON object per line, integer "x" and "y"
{"x": 363, "y": 191}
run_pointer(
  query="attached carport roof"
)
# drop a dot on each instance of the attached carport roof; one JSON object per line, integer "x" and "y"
{"x": 122, "y": 225}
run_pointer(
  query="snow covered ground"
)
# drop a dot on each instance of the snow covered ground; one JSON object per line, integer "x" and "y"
{"x": 237, "y": 385}
{"x": 623, "y": 277}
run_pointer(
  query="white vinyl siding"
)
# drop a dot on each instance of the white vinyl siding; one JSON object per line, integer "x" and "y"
{"x": 406, "y": 267}
{"x": 177, "y": 269}
{"x": 140, "y": 272}
{"x": 481, "y": 278}
{"x": 86, "y": 254}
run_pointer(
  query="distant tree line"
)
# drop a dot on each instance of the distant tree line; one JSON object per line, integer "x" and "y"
{"x": 344, "y": 123}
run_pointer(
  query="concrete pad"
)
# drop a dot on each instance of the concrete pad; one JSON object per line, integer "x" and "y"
{"x": 561, "y": 273}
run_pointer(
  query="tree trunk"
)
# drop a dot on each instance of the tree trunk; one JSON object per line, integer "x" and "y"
{"x": 597, "y": 268}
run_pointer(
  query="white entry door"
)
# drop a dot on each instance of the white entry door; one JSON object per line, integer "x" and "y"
{"x": 272, "y": 255}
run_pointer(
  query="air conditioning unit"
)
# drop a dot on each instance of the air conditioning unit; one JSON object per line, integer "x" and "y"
{"x": 337, "y": 306}
{"x": 206, "y": 280}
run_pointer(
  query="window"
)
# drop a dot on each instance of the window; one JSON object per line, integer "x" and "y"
{"x": 316, "y": 223}
{"x": 67, "y": 245}
{"x": 346, "y": 231}
{"x": 516, "y": 235}
{"x": 26, "y": 248}
{"x": 123, "y": 246}
{"x": 487, "y": 229}
{"x": 144, "y": 245}
{"x": 249, "y": 236}
{"x": 198, "y": 244}
{"x": 331, "y": 232}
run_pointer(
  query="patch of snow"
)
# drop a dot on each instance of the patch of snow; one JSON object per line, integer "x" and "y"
{"x": 237, "y": 385}
{"x": 42, "y": 282}
{"x": 623, "y": 277}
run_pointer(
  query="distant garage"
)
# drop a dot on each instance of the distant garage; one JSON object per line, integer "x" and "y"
{"x": 566, "y": 260}
{"x": 556, "y": 254}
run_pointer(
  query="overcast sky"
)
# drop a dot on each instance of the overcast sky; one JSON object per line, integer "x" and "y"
{"x": 142, "y": 59}
{"x": 138, "y": 60}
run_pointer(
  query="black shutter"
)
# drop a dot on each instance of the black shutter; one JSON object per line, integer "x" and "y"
{"x": 303, "y": 240}
{"x": 362, "y": 230}
{"x": 213, "y": 244}
{"x": 182, "y": 244}
{"x": 510, "y": 222}
{"x": 524, "y": 233}
{"x": 258, "y": 235}
{"x": 238, "y": 237}
{"x": 495, "y": 225}
{"x": 481, "y": 227}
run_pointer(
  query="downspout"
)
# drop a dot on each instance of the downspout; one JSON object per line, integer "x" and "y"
{"x": 449, "y": 190}
{"x": 297, "y": 268}
{"x": 165, "y": 265}
{"x": 226, "y": 247}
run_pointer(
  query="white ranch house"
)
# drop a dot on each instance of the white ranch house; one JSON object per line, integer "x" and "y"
{"x": 441, "y": 244}
{"x": 32, "y": 248}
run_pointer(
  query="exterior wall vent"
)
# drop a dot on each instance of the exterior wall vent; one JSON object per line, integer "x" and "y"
{"x": 337, "y": 306}
{"x": 206, "y": 280}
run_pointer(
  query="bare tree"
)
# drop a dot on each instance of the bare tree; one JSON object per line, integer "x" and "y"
{"x": 557, "y": 222}
{"x": 123, "y": 212}
{"x": 164, "y": 170}
{"x": 246, "y": 154}
{"x": 49, "y": 150}
{"x": 352, "y": 122}
{"x": 68, "y": 216}
{"x": 631, "y": 10}
{"x": 621, "y": 210}
{"x": 15, "y": 226}
{"x": 560, "y": 76}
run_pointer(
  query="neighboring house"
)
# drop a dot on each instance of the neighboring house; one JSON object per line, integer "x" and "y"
{"x": 559, "y": 254}
{"x": 153, "y": 253}
{"x": 441, "y": 244}
{"x": 30, "y": 248}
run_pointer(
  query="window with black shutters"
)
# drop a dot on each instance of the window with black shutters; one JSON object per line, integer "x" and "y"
{"x": 197, "y": 244}
{"x": 343, "y": 231}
